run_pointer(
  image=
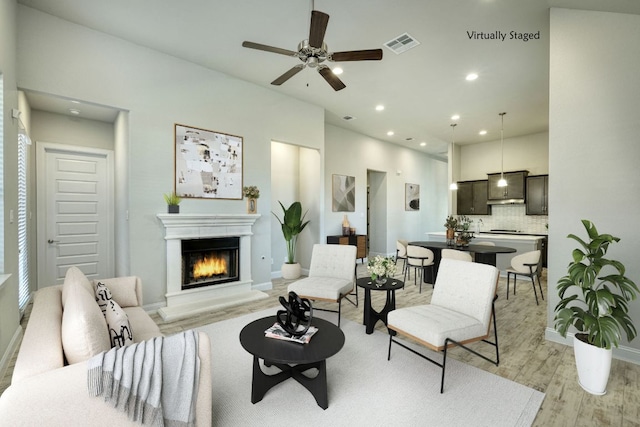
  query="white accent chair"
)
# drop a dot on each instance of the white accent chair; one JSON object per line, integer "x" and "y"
{"x": 456, "y": 254}
{"x": 526, "y": 264}
{"x": 401, "y": 253}
{"x": 331, "y": 276}
{"x": 418, "y": 258}
{"x": 461, "y": 310}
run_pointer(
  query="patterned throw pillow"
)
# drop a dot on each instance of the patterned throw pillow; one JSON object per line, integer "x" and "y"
{"x": 103, "y": 296}
{"x": 120, "y": 332}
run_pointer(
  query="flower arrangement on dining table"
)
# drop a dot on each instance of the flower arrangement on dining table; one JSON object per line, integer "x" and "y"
{"x": 251, "y": 192}
{"x": 380, "y": 267}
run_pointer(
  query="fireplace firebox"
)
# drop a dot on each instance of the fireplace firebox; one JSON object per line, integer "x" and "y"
{"x": 207, "y": 262}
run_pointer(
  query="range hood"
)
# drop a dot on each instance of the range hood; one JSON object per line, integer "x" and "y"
{"x": 506, "y": 202}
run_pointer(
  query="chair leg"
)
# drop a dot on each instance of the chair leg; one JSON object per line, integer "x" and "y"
{"x": 444, "y": 363}
{"x": 339, "y": 310}
{"x": 533, "y": 282}
{"x": 508, "y": 279}
{"x": 540, "y": 286}
{"x": 389, "y": 352}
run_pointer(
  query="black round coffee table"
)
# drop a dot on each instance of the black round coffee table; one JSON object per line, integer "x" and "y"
{"x": 370, "y": 316}
{"x": 291, "y": 358}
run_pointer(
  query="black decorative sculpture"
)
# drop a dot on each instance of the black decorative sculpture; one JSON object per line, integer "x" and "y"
{"x": 294, "y": 318}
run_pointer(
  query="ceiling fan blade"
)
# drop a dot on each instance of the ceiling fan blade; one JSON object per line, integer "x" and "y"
{"x": 258, "y": 46}
{"x": 319, "y": 21}
{"x": 286, "y": 76}
{"x": 357, "y": 55}
{"x": 331, "y": 78}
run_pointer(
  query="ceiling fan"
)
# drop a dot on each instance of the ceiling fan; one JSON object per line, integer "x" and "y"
{"x": 313, "y": 52}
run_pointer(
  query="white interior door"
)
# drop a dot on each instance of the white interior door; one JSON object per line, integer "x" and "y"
{"x": 75, "y": 212}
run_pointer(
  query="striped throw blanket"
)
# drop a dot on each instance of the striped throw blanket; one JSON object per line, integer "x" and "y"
{"x": 155, "y": 381}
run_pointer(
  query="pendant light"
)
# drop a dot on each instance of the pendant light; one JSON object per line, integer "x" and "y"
{"x": 502, "y": 182}
{"x": 454, "y": 184}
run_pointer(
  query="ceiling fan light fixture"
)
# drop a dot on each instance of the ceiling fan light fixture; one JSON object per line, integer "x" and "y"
{"x": 337, "y": 70}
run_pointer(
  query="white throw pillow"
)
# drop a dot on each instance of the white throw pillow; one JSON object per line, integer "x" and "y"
{"x": 120, "y": 332}
{"x": 75, "y": 277}
{"x": 103, "y": 296}
{"x": 84, "y": 329}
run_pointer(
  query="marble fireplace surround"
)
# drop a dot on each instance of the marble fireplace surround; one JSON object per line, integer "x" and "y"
{"x": 178, "y": 227}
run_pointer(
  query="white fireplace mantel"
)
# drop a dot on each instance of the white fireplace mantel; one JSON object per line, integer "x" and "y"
{"x": 178, "y": 227}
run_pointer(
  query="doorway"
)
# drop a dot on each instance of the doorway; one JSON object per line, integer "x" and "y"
{"x": 377, "y": 212}
{"x": 74, "y": 211}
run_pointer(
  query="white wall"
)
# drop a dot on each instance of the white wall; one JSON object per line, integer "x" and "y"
{"x": 9, "y": 316}
{"x": 51, "y": 127}
{"x": 529, "y": 152}
{"x": 158, "y": 91}
{"x": 594, "y": 142}
{"x": 349, "y": 153}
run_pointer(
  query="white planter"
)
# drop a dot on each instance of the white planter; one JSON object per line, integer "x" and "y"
{"x": 291, "y": 271}
{"x": 593, "y": 365}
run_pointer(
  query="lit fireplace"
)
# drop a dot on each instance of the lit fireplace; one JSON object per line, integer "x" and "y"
{"x": 207, "y": 262}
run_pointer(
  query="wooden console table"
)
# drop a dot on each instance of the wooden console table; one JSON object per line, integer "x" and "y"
{"x": 357, "y": 240}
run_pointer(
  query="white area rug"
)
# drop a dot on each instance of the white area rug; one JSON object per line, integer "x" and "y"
{"x": 364, "y": 389}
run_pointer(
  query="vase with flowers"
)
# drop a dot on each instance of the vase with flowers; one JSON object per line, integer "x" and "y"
{"x": 381, "y": 268}
{"x": 451, "y": 223}
{"x": 251, "y": 193}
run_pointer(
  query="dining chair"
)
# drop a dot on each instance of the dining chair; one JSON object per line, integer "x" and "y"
{"x": 419, "y": 259}
{"x": 485, "y": 243}
{"x": 401, "y": 253}
{"x": 461, "y": 312}
{"x": 526, "y": 264}
{"x": 456, "y": 254}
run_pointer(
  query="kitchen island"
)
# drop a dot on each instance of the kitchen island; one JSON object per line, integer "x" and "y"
{"x": 520, "y": 242}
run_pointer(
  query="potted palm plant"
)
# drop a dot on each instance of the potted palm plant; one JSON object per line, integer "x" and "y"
{"x": 292, "y": 223}
{"x": 594, "y": 298}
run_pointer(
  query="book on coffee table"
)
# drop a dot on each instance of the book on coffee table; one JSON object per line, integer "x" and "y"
{"x": 276, "y": 331}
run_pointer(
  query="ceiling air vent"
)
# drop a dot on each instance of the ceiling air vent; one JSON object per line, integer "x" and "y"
{"x": 402, "y": 43}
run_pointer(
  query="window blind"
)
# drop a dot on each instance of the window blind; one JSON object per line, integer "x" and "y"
{"x": 24, "y": 293}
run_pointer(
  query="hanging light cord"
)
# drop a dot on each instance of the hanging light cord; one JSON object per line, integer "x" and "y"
{"x": 502, "y": 146}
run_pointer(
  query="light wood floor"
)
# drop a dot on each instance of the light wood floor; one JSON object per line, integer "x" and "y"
{"x": 525, "y": 356}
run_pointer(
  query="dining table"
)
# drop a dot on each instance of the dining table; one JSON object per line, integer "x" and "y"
{"x": 484, "y": 254}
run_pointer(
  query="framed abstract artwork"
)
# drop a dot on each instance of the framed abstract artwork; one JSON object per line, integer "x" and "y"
{"x": 208, "y": 164}
{"x": 411, "y": 197}
{"x": 343, "y": 193}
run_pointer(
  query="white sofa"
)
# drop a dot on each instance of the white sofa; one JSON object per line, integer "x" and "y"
{"x": 48, "y": 391}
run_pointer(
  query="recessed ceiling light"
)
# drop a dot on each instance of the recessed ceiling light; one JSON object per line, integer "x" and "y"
{"x": 455, "y": 117}
{"x": 379, "y": 107}
{"x": 483, "y": 132}
{"x": 471, "y": 76}
{"x": 390, "y": 133}
{"x": 337, "y": 71}
{"x": 74, "y": 111}
{"x": 422, "y": 144}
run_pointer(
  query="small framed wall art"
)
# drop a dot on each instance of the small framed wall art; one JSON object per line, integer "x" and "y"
{"x": 411, "y": 197}
{"x": 208, "y": 164}
{"x": 343, "y": 193}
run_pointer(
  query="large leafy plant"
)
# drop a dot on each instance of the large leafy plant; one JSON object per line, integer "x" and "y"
{"x": 292, "y": 223}
{"x": 595, "y": 294}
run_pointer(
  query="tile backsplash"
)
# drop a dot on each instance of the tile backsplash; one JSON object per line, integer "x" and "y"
{"x": 511, "y": 217}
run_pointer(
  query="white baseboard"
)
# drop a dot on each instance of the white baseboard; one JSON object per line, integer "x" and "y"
{"x": 13, "y": 347}
{"x": 625, "y": 353}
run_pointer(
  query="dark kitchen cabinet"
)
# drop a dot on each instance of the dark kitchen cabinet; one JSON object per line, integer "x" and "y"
{"x": 472, "y": 198}
{"x": 515, "y": 188}
{"x": 538, "y": 195}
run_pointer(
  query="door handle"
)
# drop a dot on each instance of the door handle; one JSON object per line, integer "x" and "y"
{"x": 52, "y": 241}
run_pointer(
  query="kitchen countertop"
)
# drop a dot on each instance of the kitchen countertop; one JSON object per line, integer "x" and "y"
{"x": 492, "y": 236}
